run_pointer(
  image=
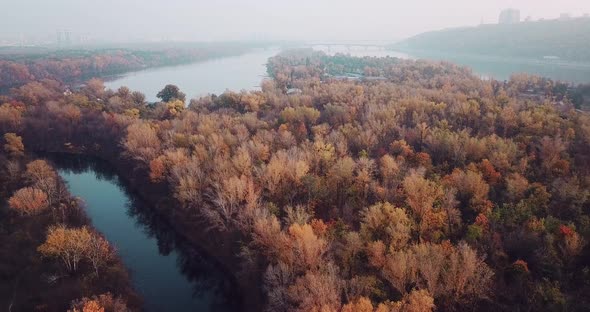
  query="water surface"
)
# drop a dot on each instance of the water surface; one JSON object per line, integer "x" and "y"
{"x": 165, "y": 270}
{"x": 214, "y": 76}
{"x": 245, "y": 72}
{"x": 487, "y": 67}
{"x": 501, "y": 68}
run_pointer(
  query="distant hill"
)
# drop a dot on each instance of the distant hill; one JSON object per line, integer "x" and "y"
{"x": 569, "y": 40}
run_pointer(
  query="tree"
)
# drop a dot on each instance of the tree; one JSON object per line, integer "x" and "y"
{"x": 415, "y": 301}
{"x": 308, "y": 249}
{"x": 472, "y": 190}
{"x": 421, "y": 194}
{"x": 516, "y": 186}
{"x": 455, "y": 273}
{"x": 174, "y": 107}
{"x": 340, "y": 177}
{"x": 10, "y": 117}
{"x": 71, "y": 245}
{"x": 171, "y": 92}
{"x": 399, "y": 269}
{"x": 389, "y": 169}
{"x": 14, "y": 144}
{"x": 92, "y": 306}
{"x": 550, "y": 150}
{"x": 94, "y": 88}
{"x": 101, "y": 303}
{"x": 362, "y": 304}
{"x": 158, "y": 169}
{"x": 317, "y": 291}
{"x": 387, "y": 223}
{"x": 99, "y": 252}
{"x": 142, "y": 142}
{"x": 28, "y": 201}
{"x": 272, "y": 242}
{"x": 277, "y": 279}
{"x": 43, "y": 177}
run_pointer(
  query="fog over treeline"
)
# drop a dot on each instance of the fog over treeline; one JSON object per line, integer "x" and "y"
{"x": 36, "y": 21}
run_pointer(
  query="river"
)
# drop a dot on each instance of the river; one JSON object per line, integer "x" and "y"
{"x": 214, "y": 76}
{"x": 166, "y": 271}
{"x": 499, "y": 68}
{"x": 246, "y": 71}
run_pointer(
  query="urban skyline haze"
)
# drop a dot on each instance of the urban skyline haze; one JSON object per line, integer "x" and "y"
{"x": 186, "y": 20}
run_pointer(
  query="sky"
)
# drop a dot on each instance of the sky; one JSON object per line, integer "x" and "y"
{"x": 220, "y": 20}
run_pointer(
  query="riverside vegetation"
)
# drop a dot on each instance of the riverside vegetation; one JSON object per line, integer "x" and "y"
{"x": 425, "y": 189}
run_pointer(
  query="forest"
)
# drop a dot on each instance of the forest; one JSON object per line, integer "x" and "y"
{"x": 566, "y": 39}
{"x": 76, "y": 66}
{"x": 427, "y": 190}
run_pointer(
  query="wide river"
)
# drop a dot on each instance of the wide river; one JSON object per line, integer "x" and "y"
{"x": 246, "y": 71}
{"x": 214, "y": 76}
{"x": 168, "y": 273}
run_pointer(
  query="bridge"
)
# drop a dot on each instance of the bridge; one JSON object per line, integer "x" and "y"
{"x": 349, "y": 45}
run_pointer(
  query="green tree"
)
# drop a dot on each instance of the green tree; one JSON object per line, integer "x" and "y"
{"x": 171, "y": 92}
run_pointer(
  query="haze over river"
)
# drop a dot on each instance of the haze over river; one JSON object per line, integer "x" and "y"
{"x": 247, "y": 70}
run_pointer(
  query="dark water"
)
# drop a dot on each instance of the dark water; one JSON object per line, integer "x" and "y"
{"x": 168, "y": 273}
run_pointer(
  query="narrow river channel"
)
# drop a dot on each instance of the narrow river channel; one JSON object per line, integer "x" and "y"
{"x": 165, "y": 270}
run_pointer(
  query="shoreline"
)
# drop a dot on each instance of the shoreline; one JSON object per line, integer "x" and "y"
{"x": 218, "y": 248}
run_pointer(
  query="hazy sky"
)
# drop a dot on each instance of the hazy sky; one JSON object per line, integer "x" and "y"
{"x": 260, "y": 19}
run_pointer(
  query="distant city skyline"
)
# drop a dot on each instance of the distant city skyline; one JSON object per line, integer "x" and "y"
{"x": 509, "y": 16}
{"x": 36, "y": 21}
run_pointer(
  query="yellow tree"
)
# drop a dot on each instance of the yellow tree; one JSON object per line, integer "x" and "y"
{"x": 142, "y": 142}
{"x": 362, "y": 304}
{"x": 92, "y": 306}
{"x": 43, "y": 177}
{"x": 14, "y": 144}
{"x": 416, "y": 301}
{"x": 68, "y": 244}
{"x": 100, "y": 303}
{"x": 10, "y": 117}
{"x": 99, "y": 252}
{"x": 317, "y": 291}
{"x": 28, "y": 201}
{"x": 421, "y": 194}
{"x": 387, "y": 223}
{"x": 308, "y": 249}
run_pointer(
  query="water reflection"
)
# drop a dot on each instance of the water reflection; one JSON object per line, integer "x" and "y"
{"x": 170, "y": 274}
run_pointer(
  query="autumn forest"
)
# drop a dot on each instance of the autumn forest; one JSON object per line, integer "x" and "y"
{"x": 417, "y": 187}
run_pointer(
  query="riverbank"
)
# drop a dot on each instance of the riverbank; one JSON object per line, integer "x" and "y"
{"x": 74, "y": 66}
{"x": 31, "y": 280}
{"x": 221, "y": 249}
{"x": 167, "y": 271}
{"x": 502, "y": 67}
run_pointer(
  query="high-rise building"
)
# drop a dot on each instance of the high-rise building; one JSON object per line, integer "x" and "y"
{"x": 67, "y": 37}
{"x": 64, "y": 38}
{"x": 509, "y": 16}
{"x": 565, "y": 16}
{"x": 58, "y": 38}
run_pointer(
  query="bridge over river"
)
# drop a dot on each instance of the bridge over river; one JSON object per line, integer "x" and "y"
{"x": 348, "y": 45}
